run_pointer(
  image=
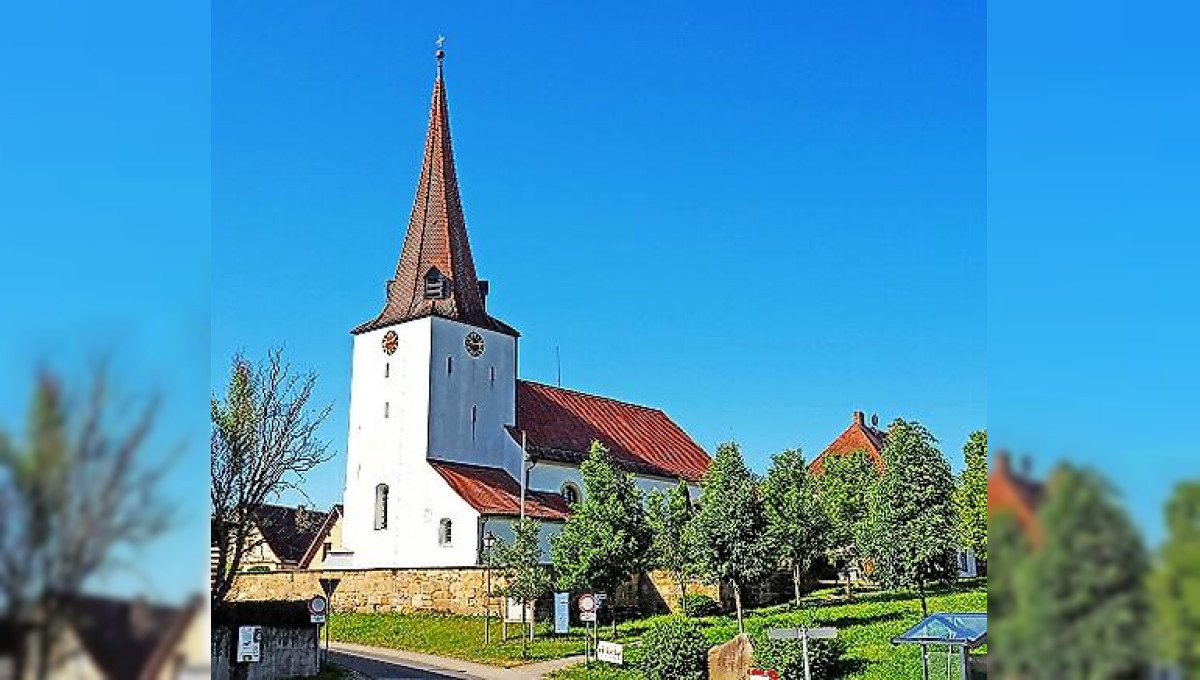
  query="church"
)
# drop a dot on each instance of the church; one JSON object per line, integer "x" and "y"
{"x": 445, "y": 441}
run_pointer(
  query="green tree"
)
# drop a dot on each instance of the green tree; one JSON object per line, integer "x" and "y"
{"x": 797, "y": 526}
{"x": 1176, "y": 583}
{"x": 520, "y": 563}
{"x": 728, "y": 531}
{"x": 844, "y": 488}
{"x": 910, "y": 531}
{"x": 1004, "y": 623}
{"x": 970, "y": 498}
{"x": 605, "y": 539}
{"x": 77, "y": 489}
{"x": 1081, "y": 593}
{"x": 668, "y": 514}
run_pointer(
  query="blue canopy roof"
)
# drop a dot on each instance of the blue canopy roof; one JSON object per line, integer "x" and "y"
{"x": 968, "y": 629}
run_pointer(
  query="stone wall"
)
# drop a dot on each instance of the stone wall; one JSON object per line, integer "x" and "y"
{"x": 452, "y": 591}
{"x": 286, "y": 653}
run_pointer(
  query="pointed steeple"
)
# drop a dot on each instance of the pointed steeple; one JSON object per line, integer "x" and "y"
{"x": 435, "y": 275}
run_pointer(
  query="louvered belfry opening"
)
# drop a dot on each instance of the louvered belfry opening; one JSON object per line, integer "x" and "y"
{"x": 435, "y": 273}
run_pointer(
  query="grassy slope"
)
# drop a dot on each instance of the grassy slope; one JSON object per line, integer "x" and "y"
{"x": 867, "y": 624}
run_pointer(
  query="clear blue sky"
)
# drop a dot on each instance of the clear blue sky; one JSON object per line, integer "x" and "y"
{"x": 104, "y": 212}
{"x": 759, "y": 219}
{"x": 1092, "y": 217}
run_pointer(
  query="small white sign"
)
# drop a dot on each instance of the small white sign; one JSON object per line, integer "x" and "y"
{"x": 513, "y": 609}
{"x": 249, "y": 644}
{"x": 611, "y": 652}
{"x": 316, "y": 618}
{"x": 587, "y": 617}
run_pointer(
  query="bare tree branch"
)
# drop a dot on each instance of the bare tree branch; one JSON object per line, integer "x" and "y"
{"x": 265, "y": 437}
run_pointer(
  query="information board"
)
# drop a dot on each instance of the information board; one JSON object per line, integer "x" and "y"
{"x": 249, "y": 644}
{"x": 562, "y": 613}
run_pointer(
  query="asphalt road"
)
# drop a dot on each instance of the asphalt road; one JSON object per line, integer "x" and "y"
{"x": 390, "y": 670}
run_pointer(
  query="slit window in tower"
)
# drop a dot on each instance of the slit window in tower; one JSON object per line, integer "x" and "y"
{"x": 474, "y": 418}
{"x": 381, "y": 506}
{"x": 449, "y": 365}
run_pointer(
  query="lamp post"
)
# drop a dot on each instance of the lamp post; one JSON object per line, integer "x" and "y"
{"x": 489, "y": 541}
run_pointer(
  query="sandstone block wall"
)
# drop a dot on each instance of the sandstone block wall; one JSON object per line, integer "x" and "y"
{"x": 451, "y": 591}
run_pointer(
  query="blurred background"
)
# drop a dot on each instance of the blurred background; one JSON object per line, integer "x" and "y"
{"x": 104, "y": 282}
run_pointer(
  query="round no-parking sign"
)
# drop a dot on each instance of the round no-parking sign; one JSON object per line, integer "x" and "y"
{"x": 587, "y": 603}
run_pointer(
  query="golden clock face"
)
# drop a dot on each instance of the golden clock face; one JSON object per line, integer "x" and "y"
{"x": 390, "y": 342}
{"x": 474, "y": 344}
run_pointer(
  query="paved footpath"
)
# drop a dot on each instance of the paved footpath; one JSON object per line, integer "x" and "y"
{"x": 393, "y": 664}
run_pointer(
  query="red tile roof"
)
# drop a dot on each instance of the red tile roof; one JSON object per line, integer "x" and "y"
{"x": 436, "y": 239}
{"x": 492, "y": 491}
{"x": 1015, "y": 492}
{"x": 858, "y": 437}
{"x": 561, "y": 424}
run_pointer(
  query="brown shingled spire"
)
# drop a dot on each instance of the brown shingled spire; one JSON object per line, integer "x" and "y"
{"x": 435, "y": 275}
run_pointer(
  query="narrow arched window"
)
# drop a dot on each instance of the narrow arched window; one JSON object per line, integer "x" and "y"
{"x": 474, "y": 419}
{"x": 570, "y": 493}
{"x": 381, "y": 506}
{"x": 449, "y": 365}
{"x": 445, "y": 532}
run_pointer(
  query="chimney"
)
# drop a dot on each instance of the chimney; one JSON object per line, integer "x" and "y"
{"x": 1026, "y": 467}
{"x": 859, "y": 418}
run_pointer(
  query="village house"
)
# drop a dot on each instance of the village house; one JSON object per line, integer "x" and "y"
{"x": 444, "y": 438}
{"x": 285, "y": 538}
{"x": 869, "y": 438}
{"x": 120, "y": 639}
{"x": 1015, "y": 490}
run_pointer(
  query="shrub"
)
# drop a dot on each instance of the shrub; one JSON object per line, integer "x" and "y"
{"x": 701, "y": 605}
{"x": 825, "y": 658}
{"x": 674, "y": 649}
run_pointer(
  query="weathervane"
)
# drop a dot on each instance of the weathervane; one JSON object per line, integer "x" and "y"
{"x": 441, "y": 40}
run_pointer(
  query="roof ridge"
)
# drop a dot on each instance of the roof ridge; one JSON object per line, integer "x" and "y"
{"x": 594, "y": 396}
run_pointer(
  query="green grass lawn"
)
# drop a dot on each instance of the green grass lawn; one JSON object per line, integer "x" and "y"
{"x": 868, "y": 623}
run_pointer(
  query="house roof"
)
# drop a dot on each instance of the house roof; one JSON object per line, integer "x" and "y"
{"x": 290, "y": 532}
{"x": 122, "y": 637}
{"x": 436, "y": 239}
{"x": 858, "y": 437}
{"x": 331, "y": 518}
{"x": 492, "y": 491}
{"x": 1015, "y": 491}
{"x": 560, "y": 425}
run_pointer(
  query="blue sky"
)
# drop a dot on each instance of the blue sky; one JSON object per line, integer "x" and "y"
{"x": 1092, "y": 215}
{"x": 104, "y": 210}
{"x": 757, "y": 219}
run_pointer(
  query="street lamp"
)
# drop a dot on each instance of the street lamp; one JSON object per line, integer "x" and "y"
{"x": 489, "y": 541}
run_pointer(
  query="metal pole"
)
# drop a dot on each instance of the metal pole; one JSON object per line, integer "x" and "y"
{"x": 924, "y": 662}
{"x": 965, "y": 666}
{"x": 487, "y": 602}
{"x": 804, "y": 640}
{"x": 524, "y": 473}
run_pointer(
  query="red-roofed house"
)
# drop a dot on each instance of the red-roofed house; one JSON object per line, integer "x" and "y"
{"x": 858, "y": 437}
{"x": 438, "y": 416}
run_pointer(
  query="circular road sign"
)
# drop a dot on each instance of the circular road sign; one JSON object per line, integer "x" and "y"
{"x": 587, "y": 602}
{"x": 318, "y": 605}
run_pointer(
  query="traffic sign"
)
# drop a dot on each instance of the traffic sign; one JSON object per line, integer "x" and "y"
{"x": 587, "y": 603}
{"x": 318, "y": 605}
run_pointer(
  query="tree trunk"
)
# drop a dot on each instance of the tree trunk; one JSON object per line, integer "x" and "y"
{"x": 796, "y": 582}
{"x": 921, "y": 589}
{"x": 683, "y": 596}
{"x": 737, "y": 601}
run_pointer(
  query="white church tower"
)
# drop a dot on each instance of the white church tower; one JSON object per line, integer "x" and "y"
{"x": 438, "y": 418}
{"x": 433, "y": 377}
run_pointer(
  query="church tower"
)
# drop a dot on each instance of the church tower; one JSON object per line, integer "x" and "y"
{"x": 433, "y": 378}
